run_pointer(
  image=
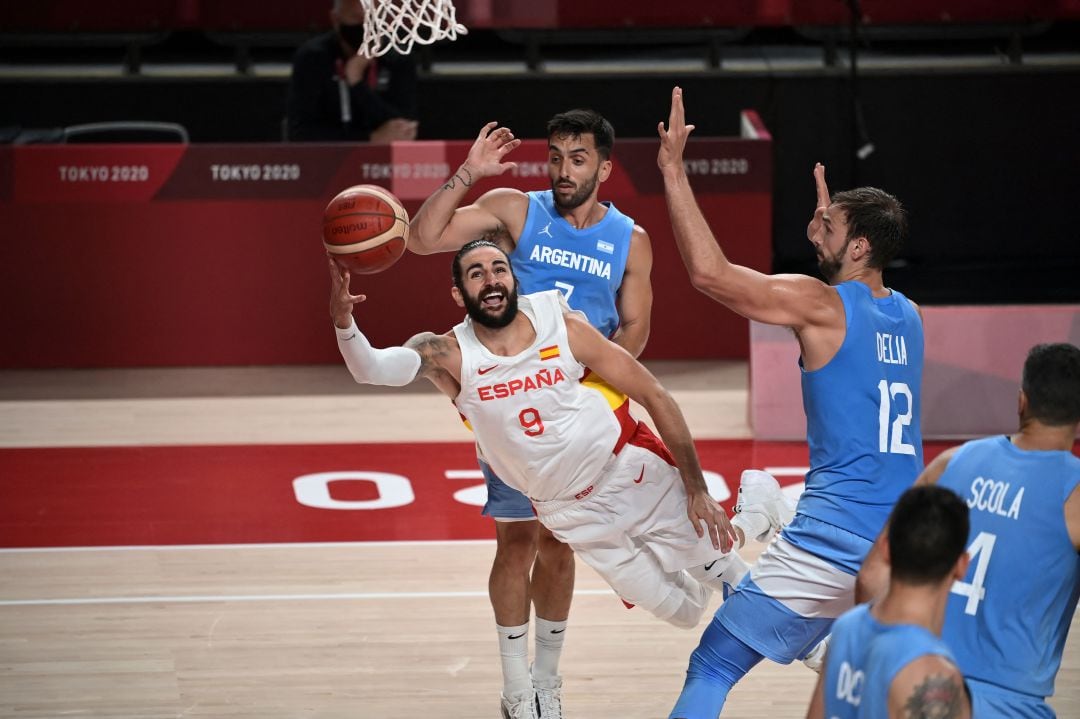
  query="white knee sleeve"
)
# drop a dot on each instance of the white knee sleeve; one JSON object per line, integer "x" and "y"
{"x": 685, "y": 603}
{"x": 390, "y": 367}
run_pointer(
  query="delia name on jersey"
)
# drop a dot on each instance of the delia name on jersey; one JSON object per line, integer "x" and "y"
{"x": 501, "y": 390}
{"x": 891, "y": 349}
{"x": 572, "y": 260}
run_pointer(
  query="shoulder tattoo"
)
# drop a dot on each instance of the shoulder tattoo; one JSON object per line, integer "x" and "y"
{"x": 432, "y": 349}
{"x": 939, "y": 697}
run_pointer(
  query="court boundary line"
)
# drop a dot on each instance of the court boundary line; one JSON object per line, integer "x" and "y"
{"x": 207, "y": 598}
{"x": 262, "y": 545}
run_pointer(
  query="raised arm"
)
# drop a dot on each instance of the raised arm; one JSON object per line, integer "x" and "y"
{"x": 440, "y": 225}
{"x": 630, "y": 377}
{"x": 796, "y": 301}
{"x": 436, "y": 357}
{"x": 635, "y": 298}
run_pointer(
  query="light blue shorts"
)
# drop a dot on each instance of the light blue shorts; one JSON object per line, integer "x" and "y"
{"x": 503, "y": 501}
{"x": 801, "y": 583}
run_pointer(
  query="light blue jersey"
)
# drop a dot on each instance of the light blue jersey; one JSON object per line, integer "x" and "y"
{"x": 586, "y": 265}
{"x": 862, "y": 415}
{"x": 864, "y": 657}
{"x": 1007, "y": 622}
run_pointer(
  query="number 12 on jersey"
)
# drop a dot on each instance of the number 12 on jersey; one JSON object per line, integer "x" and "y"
{"x": 893, "y": 441}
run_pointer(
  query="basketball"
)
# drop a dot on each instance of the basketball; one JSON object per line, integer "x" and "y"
{"x": 365, "y": 228}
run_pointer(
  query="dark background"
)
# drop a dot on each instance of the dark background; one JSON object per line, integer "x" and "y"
{"x": 984, "y": 153}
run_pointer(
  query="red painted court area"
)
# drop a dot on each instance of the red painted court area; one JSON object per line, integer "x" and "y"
{"x": 110, "y": 496}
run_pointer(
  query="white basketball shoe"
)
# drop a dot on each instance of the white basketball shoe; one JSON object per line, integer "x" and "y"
{"x": 549, "y": 697}
{"x": 522, "y": 705}
{"x": 815, "y": 660}
{"x": 762, "y": 509}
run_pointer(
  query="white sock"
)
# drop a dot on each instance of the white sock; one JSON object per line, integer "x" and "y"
{"x": 816, "y": 658}
{"x": 753, "y": 524}
{"x": 728, "y": 569}
{"x": 549, "y": 641}
{"x": 514, "y": 652}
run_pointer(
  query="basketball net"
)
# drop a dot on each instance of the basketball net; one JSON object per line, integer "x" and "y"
{"x": 397, "y": 24}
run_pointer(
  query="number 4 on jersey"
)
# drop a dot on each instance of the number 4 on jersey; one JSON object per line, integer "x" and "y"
{"x": 979, "y": 551}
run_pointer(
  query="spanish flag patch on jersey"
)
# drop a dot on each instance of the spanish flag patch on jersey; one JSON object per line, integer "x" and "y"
{"x": 551, "y": 352}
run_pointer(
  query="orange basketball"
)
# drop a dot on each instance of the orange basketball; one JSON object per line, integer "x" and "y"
{"x": 365, "y": 229}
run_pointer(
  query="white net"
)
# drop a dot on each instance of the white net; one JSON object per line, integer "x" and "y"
{"x": 398, "y": 24}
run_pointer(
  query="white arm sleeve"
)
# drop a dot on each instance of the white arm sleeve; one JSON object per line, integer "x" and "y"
{"x": 391, "y": 367}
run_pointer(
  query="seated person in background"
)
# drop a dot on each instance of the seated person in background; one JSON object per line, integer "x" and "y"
{"x": 336, "y": 95}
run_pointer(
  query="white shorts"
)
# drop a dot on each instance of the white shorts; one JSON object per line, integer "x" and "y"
{"x": 631, "y": 524}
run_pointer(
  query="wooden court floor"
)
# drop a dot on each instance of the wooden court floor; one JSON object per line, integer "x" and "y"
{"x": 359, "y": 630}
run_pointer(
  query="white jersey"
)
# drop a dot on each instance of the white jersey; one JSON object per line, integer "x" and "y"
{"x": 540, "y": 429}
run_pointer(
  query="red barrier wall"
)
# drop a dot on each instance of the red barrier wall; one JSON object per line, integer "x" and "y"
{"x": 169, "y": 255}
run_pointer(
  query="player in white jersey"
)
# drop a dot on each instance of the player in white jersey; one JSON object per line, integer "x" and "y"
{"x": 600, "y": 481}
{"x": 565, "y": 238}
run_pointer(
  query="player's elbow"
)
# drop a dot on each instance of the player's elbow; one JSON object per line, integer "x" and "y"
{"x": 633, "y": 336}
{"x": 701, "y": 280}
{"x": 710, "y": 283}
{"x": 871, "y": 582}
{"x": 657, "y": 401}
{"x": 420, "y": 243}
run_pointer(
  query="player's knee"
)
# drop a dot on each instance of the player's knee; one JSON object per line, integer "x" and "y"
{"x": 686, "y": 617}
{"x": 551, "y": 550}
{"x": 515, "y": 544}
{"x": 721, "y": 658}
{"x": 682, "y": 606}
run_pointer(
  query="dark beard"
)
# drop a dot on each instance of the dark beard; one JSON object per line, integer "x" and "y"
{"x": 830, "y": 268}
{"x": 482, "y": 317}
{"x": 575, "y": 200}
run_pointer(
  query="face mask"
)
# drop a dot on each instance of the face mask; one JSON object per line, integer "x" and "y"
{"x": 353, "y": 35}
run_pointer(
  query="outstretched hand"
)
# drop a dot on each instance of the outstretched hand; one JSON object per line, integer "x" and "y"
{"x": 673, "y": 139}
{"x": 817, "y": 224}
{"x": 485, "y": 157}
{"x": 701, "y": 507}
{"x": 341, "y": 300}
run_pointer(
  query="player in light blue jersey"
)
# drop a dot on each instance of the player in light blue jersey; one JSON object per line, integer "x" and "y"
{"x": 565, "y": 239}
{"x": 861, "y": 363}
{"x": 1007, "y": 620}
{"x": 586, "y": 264}
{"x": 888, "y": 660}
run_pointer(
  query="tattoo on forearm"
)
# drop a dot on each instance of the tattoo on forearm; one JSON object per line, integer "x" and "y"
{"x": 452, "y": 182}
{"x": 939, "y": 697}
